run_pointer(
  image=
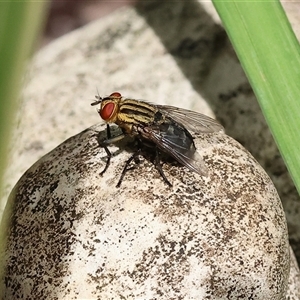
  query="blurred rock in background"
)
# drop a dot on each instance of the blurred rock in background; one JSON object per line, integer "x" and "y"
{"x": 65, "y": 16}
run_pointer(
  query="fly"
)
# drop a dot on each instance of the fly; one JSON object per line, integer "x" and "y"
{"x": 166, "y": 129}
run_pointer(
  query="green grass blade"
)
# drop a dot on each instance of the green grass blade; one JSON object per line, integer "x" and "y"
{"x": 270, "y": 55}
{"x": 19, "y": 23}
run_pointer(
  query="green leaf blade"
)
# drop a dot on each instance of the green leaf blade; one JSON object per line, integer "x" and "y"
{"x": 270, "y": 55}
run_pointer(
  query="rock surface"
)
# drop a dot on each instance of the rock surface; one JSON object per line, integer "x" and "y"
{"x": 134, "y": 51}
{"x": 75, "y": 235}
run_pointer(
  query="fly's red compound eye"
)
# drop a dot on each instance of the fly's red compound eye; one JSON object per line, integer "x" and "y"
{"x": 115, "y": 95}
{"x": 107, "y": 111}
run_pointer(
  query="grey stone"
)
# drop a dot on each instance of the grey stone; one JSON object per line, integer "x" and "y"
{"x": 75, "y": 235}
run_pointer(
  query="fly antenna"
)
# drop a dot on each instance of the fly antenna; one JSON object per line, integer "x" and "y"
{"x": 98, "y": 99}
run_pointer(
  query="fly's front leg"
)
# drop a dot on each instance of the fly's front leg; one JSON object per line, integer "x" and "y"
{"x": 108, "y": 133}
{"x": 134, "y": 157}
{"x": 106, "y": 142}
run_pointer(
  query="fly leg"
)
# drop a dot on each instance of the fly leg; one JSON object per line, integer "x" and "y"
{"x": 106, "y": 142}
{"x": 108, "y": 160}
{"x": 158, "y": 166}
{"x": 108, "y": 133}
{"x": 135, "y": 157}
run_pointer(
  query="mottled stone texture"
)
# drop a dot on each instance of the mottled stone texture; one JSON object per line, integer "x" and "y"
{"x": 167, "y": 52}
{"x": 75, "y": 235}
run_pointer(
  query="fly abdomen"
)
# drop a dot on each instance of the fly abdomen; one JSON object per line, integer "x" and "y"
{"x": 178, "y": 136}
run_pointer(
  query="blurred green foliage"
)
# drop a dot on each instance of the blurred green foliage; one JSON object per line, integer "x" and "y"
{"x": 20, "y": 23}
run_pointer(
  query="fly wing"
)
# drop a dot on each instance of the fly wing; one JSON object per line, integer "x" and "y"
{"x": 191, "y": 120}
{"x": 192, "y": 160}
{"x": 169, "y": 144}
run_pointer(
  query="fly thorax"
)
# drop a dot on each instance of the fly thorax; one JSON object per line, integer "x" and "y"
{"x": 158, "y": 117}
{"x": 126, "y": 127}
{"x": 136, "y": 112}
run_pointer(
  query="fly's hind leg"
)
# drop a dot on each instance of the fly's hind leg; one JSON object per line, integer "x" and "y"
{"x": 158, "y": 166}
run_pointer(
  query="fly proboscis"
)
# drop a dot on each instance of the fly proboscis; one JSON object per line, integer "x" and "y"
{"x": 160, "y": 127}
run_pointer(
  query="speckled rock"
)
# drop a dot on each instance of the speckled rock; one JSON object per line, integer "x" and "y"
{"x": 293, "y": 292}
{"x": 74, "y": 235}
{"x": 136, "y": 52}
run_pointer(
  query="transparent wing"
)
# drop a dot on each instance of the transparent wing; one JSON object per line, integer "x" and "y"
{"x": 187, "y": 157}
{"x": 191, "y": 120}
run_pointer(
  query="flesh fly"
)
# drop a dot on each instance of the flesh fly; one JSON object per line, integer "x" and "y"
{"x": 162, "y": 128}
